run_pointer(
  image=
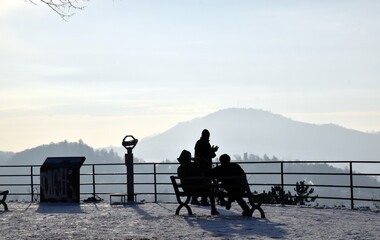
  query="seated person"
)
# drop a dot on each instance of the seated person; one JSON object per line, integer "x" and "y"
{"x": 189, "y": 169}
{"x": 234, "y": 186}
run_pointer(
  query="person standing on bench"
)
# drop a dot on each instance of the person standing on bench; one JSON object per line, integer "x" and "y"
{"x": 190, "y": 169}
{"x": 233, "y": 186}
{"x": 203, "y": 154}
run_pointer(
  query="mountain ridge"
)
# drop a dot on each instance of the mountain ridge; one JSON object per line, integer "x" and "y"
{"x": 237, "y": 131}
{"x": 37, "y": 155}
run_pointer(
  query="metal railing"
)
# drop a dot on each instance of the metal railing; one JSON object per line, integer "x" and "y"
{"x": 152, "y": 179}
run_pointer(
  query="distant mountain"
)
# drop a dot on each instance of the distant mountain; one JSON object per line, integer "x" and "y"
{"x": 171, "y": 143}
{"x": 38, "y": 154}
{"x": 6, "y": 155}
{"x": 237, "y": 131}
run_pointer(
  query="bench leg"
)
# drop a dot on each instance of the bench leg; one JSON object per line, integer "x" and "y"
{"x": 184, "y": 204}
{"x": 213, "y": 208}
{"x": 256, "y": 208}
{"x": 255, "y": 203}
{"x": 2, "y": 201}
{"x": 261, "y": 212}
{"x": 5, "y": 206}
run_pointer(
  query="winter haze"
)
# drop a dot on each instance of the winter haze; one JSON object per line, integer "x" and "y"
{"x": 142, "y": 66}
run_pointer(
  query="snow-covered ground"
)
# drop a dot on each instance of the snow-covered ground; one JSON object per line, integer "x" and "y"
{"x": 158, "y": 221}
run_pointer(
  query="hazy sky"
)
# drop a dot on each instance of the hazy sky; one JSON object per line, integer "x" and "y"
{"x": 139, "y": 67}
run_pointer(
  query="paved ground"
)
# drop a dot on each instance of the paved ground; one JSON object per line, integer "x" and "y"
{"x": 158, "y": 221}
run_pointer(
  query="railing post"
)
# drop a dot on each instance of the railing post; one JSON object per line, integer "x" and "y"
{"x": 155, "y": 181}
{"x": 93, "y": 180}
{"x": 282, "y": 182}
{"x": 351, "y": 186}
{"x": 31, "y": 183}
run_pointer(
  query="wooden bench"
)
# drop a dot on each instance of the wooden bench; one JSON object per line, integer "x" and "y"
{"x": 2, "y": 201}
{"x": 254, "y": 199}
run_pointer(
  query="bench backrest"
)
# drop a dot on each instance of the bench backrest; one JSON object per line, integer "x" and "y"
{"x": 190, "y": 184}
{"x": 202, "y": 184}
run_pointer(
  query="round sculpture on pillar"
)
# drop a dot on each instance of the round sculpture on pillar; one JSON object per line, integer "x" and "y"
{"x": 129, "y": 142}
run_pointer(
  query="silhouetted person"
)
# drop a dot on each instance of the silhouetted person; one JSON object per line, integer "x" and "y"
{"x": 203, "y": 154}
{"x": 234, "y": 186}
{"x": 204, "y": 150}
{"x": 189, "y": 169}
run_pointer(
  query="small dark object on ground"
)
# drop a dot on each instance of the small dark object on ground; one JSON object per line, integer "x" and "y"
{"x": 96, "y": 198}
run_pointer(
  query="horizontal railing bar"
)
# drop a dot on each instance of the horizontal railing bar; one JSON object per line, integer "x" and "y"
{"x": 263, "y": 173}
{"x": 240, "y": 162}
{"x": 147, "y": 173}
{"x": 366, "y": 187}
{"x": 366, "y": 174}
{"x": 159, "y": 173}
{"x": 344, "y": 174}
{"x": 263, "y": 184}
{"x": 293, "y": 185}
{"x": 103, "y": 174}
{"x": 315, "y": 185}
{"x": 104, "y": 164}
{"x": 365, "y": 199}
{"x": 16, "y": 175}
{"x": 20, "y": 194}
{"x": 16, "y": 184}
{"x": 117, "y": 183}
{"x": 310, "y": 173}
{"x": 294, "y": 173}
{"x": 104, "y": 183}
{"x": 21, "y": 165}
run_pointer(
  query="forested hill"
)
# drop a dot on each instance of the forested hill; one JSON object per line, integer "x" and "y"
{"x": 38, "y": 154}
{"x": 237, "y": 131}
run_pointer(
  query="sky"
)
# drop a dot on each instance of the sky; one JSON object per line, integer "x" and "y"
{"x": 140, "y": 67}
